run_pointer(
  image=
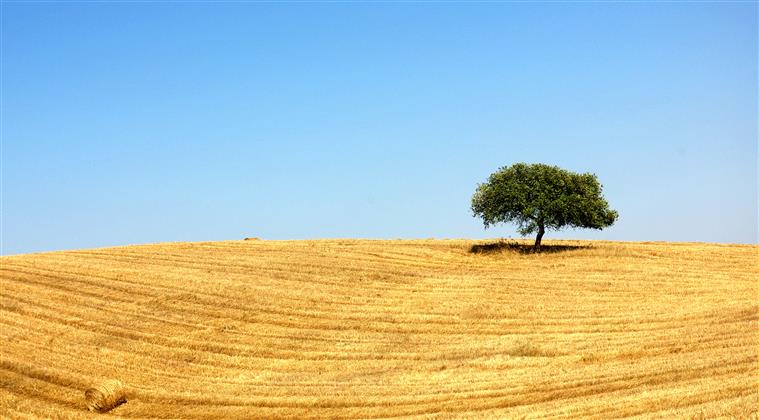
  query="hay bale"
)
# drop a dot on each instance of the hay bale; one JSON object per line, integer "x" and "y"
{"x": 106, "y": 396}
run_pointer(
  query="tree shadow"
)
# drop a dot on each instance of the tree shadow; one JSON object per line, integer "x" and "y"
{"x": 521, "y": 248}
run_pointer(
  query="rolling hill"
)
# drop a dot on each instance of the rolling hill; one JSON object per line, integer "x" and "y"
{"x": 369, "y": 328}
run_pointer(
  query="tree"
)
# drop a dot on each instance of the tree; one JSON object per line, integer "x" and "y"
{"x": 538, "y": 197}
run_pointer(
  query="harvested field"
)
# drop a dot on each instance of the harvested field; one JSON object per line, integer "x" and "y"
{"x": 359, "y": 328}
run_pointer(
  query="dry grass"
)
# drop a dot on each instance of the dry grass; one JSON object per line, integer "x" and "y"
{"x": 352, "y": 328}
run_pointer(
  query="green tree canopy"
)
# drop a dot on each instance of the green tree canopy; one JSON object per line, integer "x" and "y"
{"x": 538, "y": 197}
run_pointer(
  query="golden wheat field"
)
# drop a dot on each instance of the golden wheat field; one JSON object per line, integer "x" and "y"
{"x": 377, "y": 329}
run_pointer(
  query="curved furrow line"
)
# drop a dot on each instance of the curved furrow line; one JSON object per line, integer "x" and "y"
{"x": 283, "y": 266}
{"x": 598, "y": 377}
{"x": 55, "y": 283}
{"x": 485, "y": 399}
{"x": 282, "y": 277}
{"x": 686, "y": 401}
{"x": 100, "y": 308}
{"x": 94, "y": 281}
{"x": 261, "y": 309}
{"x": 228, "y": 349}
{"x": 69, "y": 310}
{"x": 192, "y": 307}
{"x": 56, "y": 379}
{"x": 565, "y": 391}
{"x": 155, "y": 318}
{"x": 345, "y": 258}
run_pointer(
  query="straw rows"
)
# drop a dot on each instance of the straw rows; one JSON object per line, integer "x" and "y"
{"x": 356, "y": 328}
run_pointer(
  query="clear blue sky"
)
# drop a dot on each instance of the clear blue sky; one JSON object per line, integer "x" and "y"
{"x": 149, "y": 122}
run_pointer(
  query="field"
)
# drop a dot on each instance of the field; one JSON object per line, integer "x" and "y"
{"x": 359, "y": 328}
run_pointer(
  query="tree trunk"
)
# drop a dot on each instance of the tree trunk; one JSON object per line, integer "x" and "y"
{"x": 541, "y": 231}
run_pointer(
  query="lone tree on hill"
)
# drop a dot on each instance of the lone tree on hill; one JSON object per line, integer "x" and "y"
{"x": 539, "y": 197}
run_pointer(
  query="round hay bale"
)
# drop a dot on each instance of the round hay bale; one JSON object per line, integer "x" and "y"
{"x": 106, "y": 396}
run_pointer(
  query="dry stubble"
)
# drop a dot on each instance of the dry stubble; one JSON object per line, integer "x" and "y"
{"x": 355, "y": 328}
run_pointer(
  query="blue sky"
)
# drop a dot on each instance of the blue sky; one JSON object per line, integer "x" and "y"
{"x": 148, "y": 122}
